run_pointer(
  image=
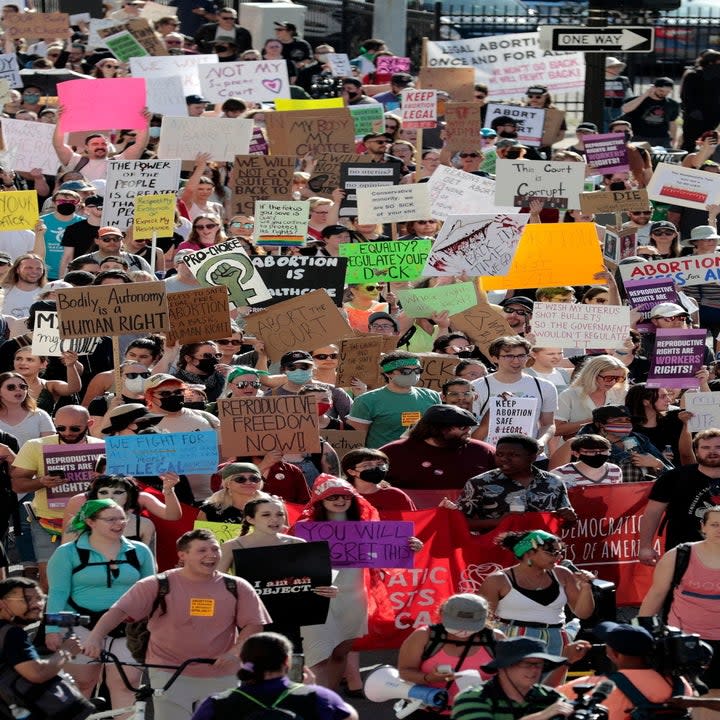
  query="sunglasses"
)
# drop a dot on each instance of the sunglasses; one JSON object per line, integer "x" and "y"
{"x": 247, "y": 226}
{"x": 535, "y": 97}
{"x": 209, "y": 226}
{"x": 110, "y": 239}
{"x": 229, "y": 342}
{"x": 613, "y": 378}
{"x": 336, "y": 498}
{"x": 663, "y": 232}
{"x": 513, "y": 311}
{"x": 134, "y": 375}
{"x": 641, "y": 212}
{"x": 168, "y": 393}
{"x": 410, "y": 371}
{"x": 242, "y": 479}
{"x": 13, "y": 386}
{"x": 326, "y": 356}
{"x": 467, "y": 155}
{"x": 71, "y": 428}
{"x": 372, "y": 287}
{"x": 248, "y": 383}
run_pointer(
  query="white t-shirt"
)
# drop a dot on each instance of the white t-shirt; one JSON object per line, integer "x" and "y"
{"x": 17, "y": 302}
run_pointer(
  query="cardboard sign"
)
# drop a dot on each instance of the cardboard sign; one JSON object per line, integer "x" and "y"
{"x": 18, "y": 209}
{"x": 617, "y": 246}
{"x": 378, "y": 544}
{"x": 185, "y": 137}
{"x": 579, "y": 325}
{"x": 418, "y": 108}
{"x": 343, "y": 441}
{"x": 339, "y": 64}
{"x": 677, "y": 357}
{"x": 100, "y": 310}
{"x": 510, "y": 415}
{"x": 354, "y": 176}
{"x": 227, "y": 264}
{"x": 300, "y": 132}
{"x": 359, "y": 358}
{"x": 46, "y": 338}
{"x": 423, "y": 302}
{"x": 153, "y": 11}
{"x": 126, "y": 179}
{"x": 263, "y": 81}
{"x": 165, "y": 96}
{"x": 284, "y": 577}
{"x": 436, "y": 369}
{"x": 185, "y": 66}
{"x": 684, "y": 271}
{"x": 457, "y": 82}
{"x": 260, "y": 177}
{"x": 705, "y": 409}
{"x": 482, "y": 324}
{"x": 199, "y": 315}
{"x": 613, "y": 201}
{"x": 292, "y": 275}
{"x": 607, "y": 153}
{"x": 123, "y": 46}
{"x": 462, "y": 126}
{"x": 142, "y": 31}
{"x": 391, "y": 64}
{"x": 398, "y": 203}
{"x": 78, "y": 464}
{"x": 530, "y": 121}
{"x": 154, "y": 214}
{"x": 475, "y": 245}
{"x": 93, "y": 104}
{"x": 553, "y": 125}
{"x": 311, "y": 320}
{"x": 38, "y": 25}
{"x": 325, "y": 177}
{"x": 644, "y": 295}
{"x": 257, "y": 426}
{"x": 367, "y": 119}
{"x": 386, "y": 261}
{"x": 552, "y": 254}
{"x": 281, "y": 223}
{"x": 559, "y": 184}
{"x": 687, "y": 187}
{"x": 10, "y": 71}
{"x": 179, "y": 452}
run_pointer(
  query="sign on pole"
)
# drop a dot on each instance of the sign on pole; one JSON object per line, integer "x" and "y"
{"x": 600, "y": 40}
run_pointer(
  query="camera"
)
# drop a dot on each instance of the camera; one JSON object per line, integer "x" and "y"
{"x": 325, "y": 85}
{"x": 586, "y": 706}
{"x": 67, "y": 619}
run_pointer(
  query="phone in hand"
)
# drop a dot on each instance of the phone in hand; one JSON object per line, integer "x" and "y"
{"x": 297, "y": 665}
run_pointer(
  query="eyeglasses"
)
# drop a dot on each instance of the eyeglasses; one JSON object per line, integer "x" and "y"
{"x": 113, "y": 239}
{"x": 208, "y": 356}
{"x": 453, "y": 393}
{"x": 336, "y": 498}
{"x": 168, "y": 393}
{"x": 247, "y": 226}
{"x": 242, "y": 479}
{"x": 471, "y": 154}
{"x": 209, "y": 226}
{"x": 666, "y": 231}
{"x": 515, "y": 311}
{"x": 326, "y": 356}
{"x": 613, "y": 378}
{"x": 510, "y": 356}
{"x": 248, "y": 383}
{"x": 71, "y": 428}
{"x": 12, "y": 386}
{"x": 382, "y": 326}
{"x": 232, "y": 341}
{"x": 134, "y": 375}
{"x": 557, "y": 552}
{"x": 535, "y": 97}
{"x": 410, "y": 371}
{"x": 112, "y": 520}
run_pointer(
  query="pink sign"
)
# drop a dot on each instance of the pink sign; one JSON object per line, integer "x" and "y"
{"x": 392, "y": 64}
{"x": 104, "y": 103}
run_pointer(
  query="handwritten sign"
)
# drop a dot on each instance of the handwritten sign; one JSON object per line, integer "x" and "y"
{"x": 378, "y": 544}
{"x": 184, "y": 66}
{"x": 597, "y": 326}
{"x": 687, "y": 187}
{"x": 143, "y": 33}
{"x": 475, "y": 245}
{"x": 419, "y": 108}
{"x": 510, "y": 415}
{"x": 199, "y": 315}
{"x": 263, "y": 81}
{"x": 343, "y": 441}
{"x": 457, "y": 82}
{"x": 397, "y": 203}
{"x": 260, "y": 177}
{"x": 9, "y": 70}
{"x": 678, "y": 356}
{"x": 99, "y": 310}
{"x": 46, "y": 339}
{"x": 558, "y": 184}
{"x": 29, "y": 146}
{"x": 423, "y": 302}
{"x": 390, "y": 64}
{"x": 311, "y": 320}
{"x": 281, "y": 223}
{"x": 300, "y": 132}
{"x": 607, "y": 153}
{"x": 685, "y": 271}
{"x": 154, "y": 214}
{"x": 462, "y": 126}
{"x": 326, "y": 175}
{"x": 530, "y": 121}
{"x": 123, "y": 46}
{"x": 340, "y": 64}
{"x": 257, "y": 426}
{"x": 359, "y": 358}
{"x": 37, "y": 25}
{"x": 222, "y": 531}
{"x": 436, "y": 369}
{"x": 385, "y": 261}
{"x": 367, "y": 119}
{"x": 180, "y": 452}
{"x": 185, "y": 137}
{"x": 612, "y": 201}
{"x": 18, "y": 209}
{"x": 705, "y": 409}
{"x": 165, "y": 96}
{"x": 482, "y": 324}
{"x": 77, "y": 462}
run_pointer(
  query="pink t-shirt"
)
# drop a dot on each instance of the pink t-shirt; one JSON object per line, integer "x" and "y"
{"x": 201, "y": 618}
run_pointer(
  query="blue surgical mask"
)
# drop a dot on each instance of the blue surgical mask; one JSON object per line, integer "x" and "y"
{"x": 154, "y": 132}
{"x": 31, "y": 98}
{"x": 299, "y": 377}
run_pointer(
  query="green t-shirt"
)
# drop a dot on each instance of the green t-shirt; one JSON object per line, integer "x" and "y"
{"x": 489, "y": 702}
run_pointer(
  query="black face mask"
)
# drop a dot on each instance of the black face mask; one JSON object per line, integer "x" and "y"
{"x": 206, "y": 365}
{"x": 594, "y": 461}
{"x": 374, "y": 475}
{"x": 172, "y": 403}
{"x": 628, "y": 136}
{"x": 195, "y": 405}
{"x": 65, "y": 208}
{"x": 464, "y": 354}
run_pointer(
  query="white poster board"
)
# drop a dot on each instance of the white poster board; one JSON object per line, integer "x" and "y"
{"x": 687, "y": 187}
{"x": 393, "y": 203}
{"x": 186, "y": 66}
{"x": 223, "y": 138}
{"x": 262, "y": 81}
{"x": 580, "y": 326}
{"x": 558, "y": 184}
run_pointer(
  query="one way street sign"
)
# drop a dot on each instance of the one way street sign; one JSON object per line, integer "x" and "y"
{"x": 607, "y": 39}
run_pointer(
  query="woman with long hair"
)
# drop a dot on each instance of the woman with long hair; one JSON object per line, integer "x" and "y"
{"x": 19, "y": 414}
{"x": 107, "y": 68}
{"x": 241, "y": 482}
{"x": 207, "y": 230}
{"x": 46, "y": 393}
{"x": 198, "y": 190}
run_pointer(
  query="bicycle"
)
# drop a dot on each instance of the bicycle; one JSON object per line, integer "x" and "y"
{"x": 144, "y": 692}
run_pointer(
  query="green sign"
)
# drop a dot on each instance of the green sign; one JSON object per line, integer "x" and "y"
{"x": 423, "y": 302}
{"x": 389, "y": 261}
{"x": 368, "y": 119}
{"x": 124, "y": 46}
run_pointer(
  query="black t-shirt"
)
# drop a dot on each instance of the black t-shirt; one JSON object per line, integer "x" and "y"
{"x": 297, "y": 50}
{"x": 17, "y": 647}
{"x": 81, "y": 236}
{"x": 652, "y": 118}
{"x": 688, "y": 493}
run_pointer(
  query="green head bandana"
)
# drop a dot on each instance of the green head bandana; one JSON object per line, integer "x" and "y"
{"x": 532, "y": 540}
{"x": 400, "y": 363}
{"x": 79, "y": 522}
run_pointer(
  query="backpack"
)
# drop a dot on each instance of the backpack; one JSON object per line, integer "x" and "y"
{"x": 643, "y": 709}
{"x": 439, "y": 637}
{"x": 137, "y": 634}
{"x": 226, "y": 705}
{"x": 682, "y": 560}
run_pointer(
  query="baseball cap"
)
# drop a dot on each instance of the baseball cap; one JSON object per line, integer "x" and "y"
{"x": 285, "y": 26}
{"x": 509, "y": 142}
{"x": 588, "y": 127}
{"x": 326, "y": 486}
{"x": 667, "y": 309}
{"x": 488, "y": 133}
{"x": 526, "y": 302}
{"x": 52, "y": 287}
{"x": 382, "y": 316}
{"x": 159, "y": 379}
{"x": 94, "y": 201}
{"x": 449, "y": 415}
{"x": 658, "y": 224}
{"x": 77, "y": 186}
{"x": 109, "y": 230}
{"x": 5, "y": 258}
{"x": 663, "y": 82}
{"x": 465, "y": 611}
{"x": 195, "y": 100}
{"x": 295, "y": 356}
{"x": 401, "y": 78}
{"x": 329, "y": 230}
{"x": 626, "y": 639}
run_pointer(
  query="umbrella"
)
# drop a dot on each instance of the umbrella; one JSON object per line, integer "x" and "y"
{"x": 47, "y": 80}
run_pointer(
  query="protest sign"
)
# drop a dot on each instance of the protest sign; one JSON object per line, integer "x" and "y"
{"x": 343, "y": 441}
{"x": 185, "y": 66}
{"x": 530, "y": 121}
{"x": 260, "y": 177}
{"x": 510, "y": 415}
{"x": 509, "y": 63}
{"x": 77, "y": 465}
{"x": 127, "y": 179}
{"x": 580, "y": 325}
{"x": 705, "y": 409}
{"x": 284, "y": 577}
{"x": 436, "y": 369}
{"x": 607, "y": 153}
{"x": 367, "y": 119}
{"x": 37, "y": 25}
{"x": 339, "y": 65}
{"x": 93, "y": 103}
{"x": 227, "y": 264}
{"x": 378, "y": 544}
{"x": 457, "y": 82}
{"x": 398, "y": 203}
{"x": 644, "y": 295}
{"x": 98, "y": 310}
{"x": 456, "y": 192}
{"x": 553, "y": 125}
{"x": 325, "y": 177}
{"x": 300, "y": 132}
{"x": 618, "y": 245}
{"x": 153, "y": 11}
{"x": 123, "y": 46}
{"x": 359, "y": 358}
{"x": 9, "y": 70}
{"x": 263, "y": 81}
{"x": 684, "y": 271}
{"x": 354, "y": 176}
{"x": 677, "y": 357}
{"x": 258, "y": 143}
{"x": 289, "y": 104}
{"x": 46, "y": 338}
{"x": 165, "y": 96}
{"x": 222, "y": 531}
{"x": 18, "y": 209}
{"x": 97, "y": 24}
{"x": 613, "y": 201}
{"x": 142, "y": 31}
{"x": 310, "y": 320}
{"x": 178, "y": 452}
{"x": 559, "y": 253}
{"x": 687, "y": 187}
{"x": 292, "y": 275}
{"x": 93, "y": 7}
{"x": 418, "y": 108}
{"x": 390, "y": 64}
{"x": 257, "y": 426}
{"x": 199, "y": 315}
{"x": 475, "y": 245}
{"x": 423, "y": 302}
{"x": 482, "y": 324}
{"x": 281, "y": 223}
{"x": 558, "y": 184}
{"x": 154, "y": 214}
{"x": 185, "y": 137}
{"x": 462, "y": 126}
{"x": 385, "y": 261}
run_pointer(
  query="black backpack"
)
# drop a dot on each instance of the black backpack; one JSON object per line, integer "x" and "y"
{"x": 439, "y": 637}
{"x": 682, "y": 560}
{"x": 239, "y": 704}
{"x": 643, "y": 709}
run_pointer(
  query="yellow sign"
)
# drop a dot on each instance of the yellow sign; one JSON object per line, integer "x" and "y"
{"x": 202, "y": 607}
{"x": 408, "y": 419}
{"x": 222, "y": 531}
{"x": 285, "y": 104}
{"x": 18, "y": 210}
{"x": 154, "y": 213}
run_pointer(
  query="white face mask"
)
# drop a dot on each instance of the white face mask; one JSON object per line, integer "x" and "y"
{"x": 134, "y": 385}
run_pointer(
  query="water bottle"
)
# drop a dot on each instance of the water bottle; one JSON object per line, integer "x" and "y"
{"x": 572, "y": 629}
{"x": 668, "y": 454}
{"x": 19, "y": 712}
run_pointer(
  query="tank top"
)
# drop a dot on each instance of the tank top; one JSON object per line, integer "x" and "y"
{"x": 537, "y": 606}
